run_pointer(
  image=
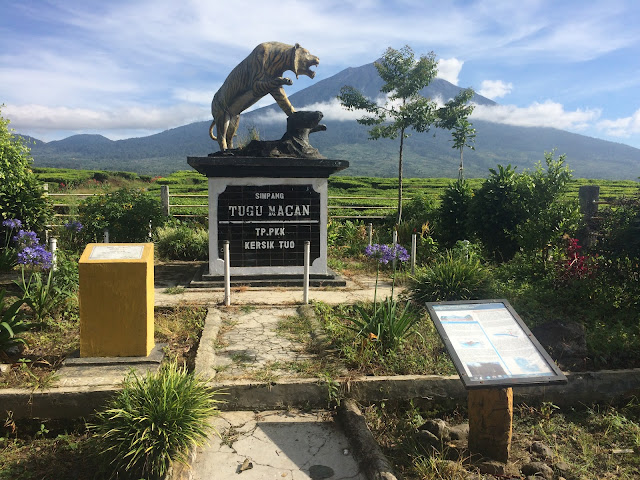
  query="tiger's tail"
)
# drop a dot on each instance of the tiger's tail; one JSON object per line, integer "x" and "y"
{"x": 213, "y": 137}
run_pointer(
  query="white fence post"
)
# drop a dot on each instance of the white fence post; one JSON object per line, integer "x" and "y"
{"x": 53, "y": 246}
{"x": 307, "y": 258}
{"x": 414, "y": 245}
{"x": 370, "y": 233}
{"x": 106, "y": 235}
{"x": 395, "y": 241}
{"x": 227, "y": 275}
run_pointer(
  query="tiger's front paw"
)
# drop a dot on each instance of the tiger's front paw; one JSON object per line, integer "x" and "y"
{"x": 286, "y": 81}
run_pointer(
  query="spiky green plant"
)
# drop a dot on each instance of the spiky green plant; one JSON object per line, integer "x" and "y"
{"x": 452, "y": 276}
{"x": 154, "y": 421}
{"x": 12, "y": 322}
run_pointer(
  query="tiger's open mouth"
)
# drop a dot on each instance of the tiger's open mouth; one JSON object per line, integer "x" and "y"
{"x": 312, "y": 62}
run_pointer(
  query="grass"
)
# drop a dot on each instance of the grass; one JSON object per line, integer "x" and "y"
{"x": 597, "y": 442}
{"x": 154, "y": 421}
{"x": 420, "y": 353}
{"x": 32, "y": 450}
{"x": 612, "y": 332}
{"x": 180, "y": 327}
{"x": 296, "y": 328}
{"x": 588, "y": 442}
{"x": 174, "y": 290}
{"x": 47, "y": 347}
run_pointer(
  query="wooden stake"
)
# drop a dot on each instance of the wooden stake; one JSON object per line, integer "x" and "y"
{"x": 491, "y": 422}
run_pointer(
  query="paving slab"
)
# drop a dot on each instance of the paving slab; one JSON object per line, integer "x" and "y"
{"x": 289, "y": 445}
{"x": 358, "y": 289}
{"x": 251, "y": 342}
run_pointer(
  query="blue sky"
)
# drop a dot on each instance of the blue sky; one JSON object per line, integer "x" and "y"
{"x": 136, "y": 67}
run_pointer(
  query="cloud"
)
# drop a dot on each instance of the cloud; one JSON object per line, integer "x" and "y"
{"x": 189, "y": 95}
{"x": 495, "y": 88}
{"x": 546, "y": 114}
{"x": 449, "y": 69}
{"x": 331, "y": 110}
{"x": 40, "y": 118}
{"x": 622, "y": 127}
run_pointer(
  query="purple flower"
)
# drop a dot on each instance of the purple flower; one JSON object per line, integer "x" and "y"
{"x": 30, "y": 252}
{"x": 12, "y": 223}
{"x": 387, "y": 253}
{"x": 35, "y": 256}
{"x": 26, "y": 238}
{"x": 73, "y": 225}
{"x": 401, "y": 253}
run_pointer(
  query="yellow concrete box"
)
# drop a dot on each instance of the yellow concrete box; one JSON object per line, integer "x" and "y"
{"x": 116, "y": 300}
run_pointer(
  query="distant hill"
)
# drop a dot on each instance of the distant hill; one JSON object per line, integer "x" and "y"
{"x": 426, "y": 155}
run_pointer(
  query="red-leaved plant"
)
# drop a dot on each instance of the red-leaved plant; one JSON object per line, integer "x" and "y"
{"x": 576, "y": 266}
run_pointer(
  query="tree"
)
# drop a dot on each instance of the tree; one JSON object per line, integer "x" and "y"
{"x": 405, "y": 108}
{"x": 455, "y": 116}
{"x": 21, "y": 194}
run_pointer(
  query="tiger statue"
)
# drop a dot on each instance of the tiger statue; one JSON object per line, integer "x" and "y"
{"x": 253, "y": 78}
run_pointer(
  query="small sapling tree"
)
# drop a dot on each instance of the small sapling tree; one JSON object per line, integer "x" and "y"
{"x": 455, "y": 117}
{"x": 405, "y": 108}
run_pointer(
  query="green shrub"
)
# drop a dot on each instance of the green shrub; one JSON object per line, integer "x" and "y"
{"x": 21, "y": 193}
{"x": 620, "y": 229}
{"x": 65, "y": 176}
{"x": 12, "y": 322}
{"x": 70, "y": 236}
{"x": 512, "y": 212}
{"x": 66, "y": 276}
{"x": 128, "y": 214}
{"x": 549, "y": 215}
{"x": 418, "y": 218}
{"x": 497, "y": 208}
{"x": 182, "y": 242}
{"x": 452, "y": 276}
{"x": 346, "y": 237}
{"x": 154, "y": 421}
{"x": 418, "y": 210}
{"x": 453, "y": 213}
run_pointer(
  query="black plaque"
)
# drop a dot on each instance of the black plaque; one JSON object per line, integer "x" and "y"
{"x": 267, "y": 225}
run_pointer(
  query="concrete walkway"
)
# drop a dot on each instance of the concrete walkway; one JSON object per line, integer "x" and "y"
{"x": 290, "y": 445}
{"x": 248, "y": 344}
{"x": 361, "y": 288}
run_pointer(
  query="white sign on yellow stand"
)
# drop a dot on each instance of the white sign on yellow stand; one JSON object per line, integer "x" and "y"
{"x": 116, "y": 300}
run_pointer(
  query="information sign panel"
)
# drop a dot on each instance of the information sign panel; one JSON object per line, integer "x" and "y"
{"x": 116, "y": 252}
{"x": 267, "y": 225}
{"x": 491, "y": 346}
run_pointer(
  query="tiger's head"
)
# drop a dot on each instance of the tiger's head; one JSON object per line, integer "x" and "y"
{"x": 303, "y": 61}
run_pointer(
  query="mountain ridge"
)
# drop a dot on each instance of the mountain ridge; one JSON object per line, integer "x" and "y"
{"x": 426, "y": 155}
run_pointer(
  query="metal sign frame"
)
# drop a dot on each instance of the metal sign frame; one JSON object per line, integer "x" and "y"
{"x": 495, "y": 333}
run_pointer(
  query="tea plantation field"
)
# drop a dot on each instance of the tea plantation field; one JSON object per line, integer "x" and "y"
{"x": 348, "y": 196}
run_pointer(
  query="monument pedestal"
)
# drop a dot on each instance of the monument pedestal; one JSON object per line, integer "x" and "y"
{"x": 116, "y": 300}
{"x": 267, "y": 208}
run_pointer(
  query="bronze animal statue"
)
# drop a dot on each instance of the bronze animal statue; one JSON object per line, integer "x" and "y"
{"x": 294, "y": 143}
{"x": 253, "y": 78}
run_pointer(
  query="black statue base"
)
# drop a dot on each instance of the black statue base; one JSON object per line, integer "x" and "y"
{"x": 294, "y": 143}
{"x": 280, "y": 167}
{"x": 205, "y": 280}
